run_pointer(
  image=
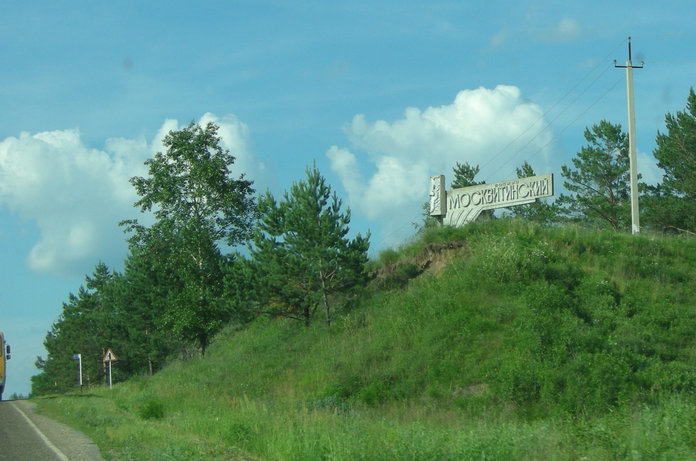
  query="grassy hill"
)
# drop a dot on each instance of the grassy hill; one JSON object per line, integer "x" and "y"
{"x": 500, "y": 340}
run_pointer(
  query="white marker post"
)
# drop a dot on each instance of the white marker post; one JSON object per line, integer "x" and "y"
{"x": 108, "y": 358}
{"x": 78, "y": 357}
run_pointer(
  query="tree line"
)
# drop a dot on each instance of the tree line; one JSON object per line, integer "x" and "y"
{"x": 184, "y": 278}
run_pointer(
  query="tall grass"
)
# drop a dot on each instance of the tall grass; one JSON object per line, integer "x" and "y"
{"x": 534, "y": 343}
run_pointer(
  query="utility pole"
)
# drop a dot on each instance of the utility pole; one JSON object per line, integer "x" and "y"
{"x": 635, "y": 217}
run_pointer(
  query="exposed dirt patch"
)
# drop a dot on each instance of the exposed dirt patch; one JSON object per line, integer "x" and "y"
{"x": 434, "y": 258}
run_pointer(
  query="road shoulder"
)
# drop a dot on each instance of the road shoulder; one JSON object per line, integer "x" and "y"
{"x": 73, "y": 444}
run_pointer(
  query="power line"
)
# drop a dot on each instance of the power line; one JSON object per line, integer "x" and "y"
{"x": 553, "y": 106}
{"x": 400, "y": 229}
{"x": 594, "y": 103}
{"x": 572, "y": 122}
{"x": 548, "y": 124}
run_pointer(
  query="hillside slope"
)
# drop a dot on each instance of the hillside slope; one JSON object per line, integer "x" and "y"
{"x": 499, "y": 340}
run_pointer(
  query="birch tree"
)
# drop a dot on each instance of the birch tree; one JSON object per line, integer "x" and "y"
{"x": 197, "y": 206}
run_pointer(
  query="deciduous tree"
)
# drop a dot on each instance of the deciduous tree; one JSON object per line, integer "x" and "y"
{"x": 197, "y": 205}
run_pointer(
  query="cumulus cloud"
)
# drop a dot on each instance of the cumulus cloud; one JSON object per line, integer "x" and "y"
{"x": 237, "y": 139}
{"x": 496, "y": 129}
{"x": 76, "y": 195}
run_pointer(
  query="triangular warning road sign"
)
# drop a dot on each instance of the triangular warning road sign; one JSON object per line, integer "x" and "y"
{"x": 109, "y": 356}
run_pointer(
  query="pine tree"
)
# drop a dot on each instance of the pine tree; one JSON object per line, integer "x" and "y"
{"x": 465, "y": 175}
{"x": 540, "y": 211}
{"x": 672, "y": 204}
{"x": 302, "y": 252}
{"x": 82, "y": 328}
{"x": 599, "y": 182}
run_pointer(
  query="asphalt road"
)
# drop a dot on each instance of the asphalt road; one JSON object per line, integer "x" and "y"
{"x": 25, "y": 435}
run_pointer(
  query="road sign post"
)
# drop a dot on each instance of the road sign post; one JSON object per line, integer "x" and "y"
{"x": 78, "y": 357}
{"x": 108, "y": 358}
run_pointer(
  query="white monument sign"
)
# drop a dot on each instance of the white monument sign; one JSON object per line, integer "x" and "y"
{"x": 460, "y": 206}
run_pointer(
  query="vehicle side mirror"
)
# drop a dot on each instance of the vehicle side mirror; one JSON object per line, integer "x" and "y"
{"x": 8, "y": 353}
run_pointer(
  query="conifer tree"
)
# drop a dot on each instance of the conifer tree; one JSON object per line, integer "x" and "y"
{"x": 672, "y": 204}
{"x": 598, "y": 182}
{"x": 465, "y": 175}
{"x": 540, "y": 211}
{"x": 82, "y": 329}
{"x": 302, "y": 251}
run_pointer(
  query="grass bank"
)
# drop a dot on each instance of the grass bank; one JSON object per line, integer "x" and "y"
{"x": 501, "y": 340}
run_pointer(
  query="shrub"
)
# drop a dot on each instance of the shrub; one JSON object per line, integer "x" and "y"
{"x": 151, "y": 409}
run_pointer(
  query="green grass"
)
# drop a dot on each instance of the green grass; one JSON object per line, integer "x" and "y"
{"x": 534, "y": 343}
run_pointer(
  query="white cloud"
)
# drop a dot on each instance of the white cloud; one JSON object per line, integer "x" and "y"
{"x": 496, "y": 129}
{"x": 237, "y": 139}
{"x": 497, "y": 41}
{"x": 648, "y": 169}
{"x": 76, "y": 195}
{"x": 566, "y": 30}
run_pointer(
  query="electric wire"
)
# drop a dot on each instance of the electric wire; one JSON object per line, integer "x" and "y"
{"x": 596, "y": 101}
{"x": 568, "y": 125}
{"x": 400, "y": 229}
{"x": 553, "y": 106}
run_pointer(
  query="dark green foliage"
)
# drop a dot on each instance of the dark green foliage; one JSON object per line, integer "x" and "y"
{"x": 671, "y": 205}
{"x": 598, "y": 182}
{"x": 540, "y": 211}
{"x": 676, "y": 150}
{"x": 663, "y": 211}
{"x": 82, "y": 328}
{"x": 465, "y": 175}
{"x": 197, "y": 205}
{"x": 140, "y": 338}
{"x": 151, "y": 409}
{"x": 302, "y": 252}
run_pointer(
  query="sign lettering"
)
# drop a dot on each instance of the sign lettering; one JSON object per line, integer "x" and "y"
{"x": 464, "y": 205}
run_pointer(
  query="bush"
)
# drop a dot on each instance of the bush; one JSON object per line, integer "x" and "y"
{"x": 151, "y": 409}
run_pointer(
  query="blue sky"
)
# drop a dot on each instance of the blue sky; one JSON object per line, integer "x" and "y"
{"x": 381, "y": 94}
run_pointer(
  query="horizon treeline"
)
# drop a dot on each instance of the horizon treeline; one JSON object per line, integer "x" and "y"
{"x": 178, "y": 288}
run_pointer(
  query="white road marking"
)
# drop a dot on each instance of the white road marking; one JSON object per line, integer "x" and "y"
{"x": 48, "y": 443}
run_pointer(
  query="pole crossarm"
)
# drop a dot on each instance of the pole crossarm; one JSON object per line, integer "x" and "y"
{"x": 628, "y": 63}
